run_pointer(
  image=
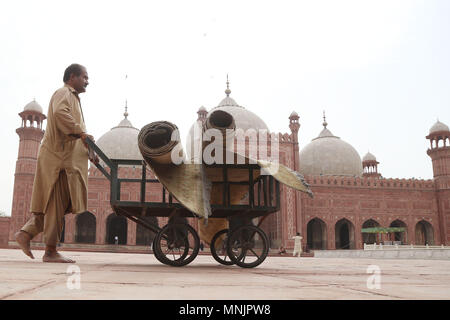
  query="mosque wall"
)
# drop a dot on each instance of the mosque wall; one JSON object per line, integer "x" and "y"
{"x": 361, "y": 199}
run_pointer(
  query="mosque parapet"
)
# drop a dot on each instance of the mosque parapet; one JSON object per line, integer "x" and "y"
{"x": 370, "y": 182}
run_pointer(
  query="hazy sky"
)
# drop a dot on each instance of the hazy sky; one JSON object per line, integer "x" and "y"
{"x": 380, "y": 69}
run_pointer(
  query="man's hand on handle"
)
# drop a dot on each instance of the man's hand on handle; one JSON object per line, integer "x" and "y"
{"x": 92, "y": 155}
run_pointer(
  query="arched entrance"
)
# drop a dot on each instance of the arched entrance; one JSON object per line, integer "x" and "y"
{"x": 344, "y": 234}
{"x": 85, "y": 228}
{"x": 424, "y": 233}
{"x": 370, "y": 238}
{"x": 116, "y": 226}
{"x": 144, "y": 237}
{"x": 316, "y": 234}
{"x": 399, "y": 236}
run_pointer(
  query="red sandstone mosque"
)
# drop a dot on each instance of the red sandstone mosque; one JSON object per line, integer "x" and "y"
{"x": 349, "y": 193}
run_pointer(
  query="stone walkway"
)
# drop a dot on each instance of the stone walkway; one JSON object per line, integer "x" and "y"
{"x": 141, "y": 276}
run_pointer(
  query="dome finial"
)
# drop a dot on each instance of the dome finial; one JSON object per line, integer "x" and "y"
{"x": 324, "y": 120}
{"x": 228, "y": 91}
{"x": 126, "y": 109}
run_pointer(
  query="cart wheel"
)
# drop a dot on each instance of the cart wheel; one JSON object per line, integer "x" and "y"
{"x": 219, "y": 248}
{"x": 248, "y": 246}
{"x": 177, "y": 244}
{"x": 155, "y": 252}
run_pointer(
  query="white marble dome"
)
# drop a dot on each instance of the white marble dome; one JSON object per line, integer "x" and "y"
{"x": 329, "y": 155}
{"x": 369, "y": 157}
{"x": 33, "y": 106}
{"x": 121, "y": 142}
{"x": 439, "y": 126}
{"x": 243, "y": 118}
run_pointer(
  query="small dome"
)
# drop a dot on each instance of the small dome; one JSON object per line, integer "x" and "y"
{"x": 329, "y": 155}
{"x": 369, "y": 157}
{"x": 201, "y": 109}
{"x": 293, "y": 115}
{"x": 121, "y": 142}
{"x": 439, "y": 126}
{"x": 33, "y": 106}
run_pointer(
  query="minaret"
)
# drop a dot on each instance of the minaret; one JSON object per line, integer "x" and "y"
{"x": 294, "y": 125}
{"x": 439, "y": 152}
{"x": 202, "y": 113}
{"x": 30, "y": 135}
{"x": 370, "y": 166}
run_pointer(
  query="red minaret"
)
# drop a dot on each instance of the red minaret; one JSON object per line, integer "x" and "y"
{"x": 439, "y": 153}
{"x": 370, "y": 166}
{"x": 30, "y": 135}
{"x": 294, "y": 125}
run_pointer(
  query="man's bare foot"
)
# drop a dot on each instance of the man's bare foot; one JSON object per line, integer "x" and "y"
{"x": 56, "y": 257}
{"x": 23, "y": 239}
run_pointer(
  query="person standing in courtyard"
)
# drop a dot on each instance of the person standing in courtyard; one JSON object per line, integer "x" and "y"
{"x": 297, "y": 244}
{"x": 60, "y": 183}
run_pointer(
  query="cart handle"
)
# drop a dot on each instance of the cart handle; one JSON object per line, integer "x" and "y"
{"x": 92, "y": 146}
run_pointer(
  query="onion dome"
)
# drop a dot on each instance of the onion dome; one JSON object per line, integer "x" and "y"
{"x": 329, "y": 155}
{"x": 121, "y": 142}
{"x": 243, "y": 118}
{"x": 369, "y": 157}
{"x": 33, "y": 106}
{"x": 438, "y": 126}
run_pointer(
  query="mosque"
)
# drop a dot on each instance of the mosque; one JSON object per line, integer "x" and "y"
{"x": 350, "y": 194}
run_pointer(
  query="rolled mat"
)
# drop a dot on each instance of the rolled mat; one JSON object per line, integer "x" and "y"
{"x": 186, "y": 182}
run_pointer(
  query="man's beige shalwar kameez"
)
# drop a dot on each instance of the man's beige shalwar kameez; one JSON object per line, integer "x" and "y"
{"x": 60, "y": 183}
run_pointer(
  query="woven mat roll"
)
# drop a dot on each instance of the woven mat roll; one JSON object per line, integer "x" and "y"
{"x": 186, "y": 182}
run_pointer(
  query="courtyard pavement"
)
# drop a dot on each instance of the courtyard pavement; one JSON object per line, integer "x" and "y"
{"x": 141, "y": 276}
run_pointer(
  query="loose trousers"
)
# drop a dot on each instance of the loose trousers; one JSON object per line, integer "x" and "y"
{"x": 297, "y": 251}
{"x": 51, "y": 223}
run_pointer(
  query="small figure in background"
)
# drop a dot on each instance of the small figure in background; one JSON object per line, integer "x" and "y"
{"x": 297, "y": 244}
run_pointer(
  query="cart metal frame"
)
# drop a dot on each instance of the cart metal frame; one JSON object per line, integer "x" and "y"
{"x": 265, "y": 202}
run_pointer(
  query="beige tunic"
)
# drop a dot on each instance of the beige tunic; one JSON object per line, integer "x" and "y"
{"x": 59, "y": 151}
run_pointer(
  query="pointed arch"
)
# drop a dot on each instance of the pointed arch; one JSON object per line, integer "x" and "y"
{"x": 344, "y": 234}
{"x": 85, "y": 228}
{"x": 400, "y": 236}
{"x": 316, "y": 234}
{"x": 116, "y": 226}
{"x": 370, "y": 238}
{"x": 424, "y": 233}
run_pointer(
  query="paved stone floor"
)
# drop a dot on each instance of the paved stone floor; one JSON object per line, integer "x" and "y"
{"x": 141, "y": 276}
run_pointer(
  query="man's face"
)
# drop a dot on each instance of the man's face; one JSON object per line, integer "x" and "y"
{"x": 80, "y": 82}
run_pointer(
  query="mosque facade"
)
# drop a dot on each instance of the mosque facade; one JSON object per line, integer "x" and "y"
{"x": 350, "y": 193}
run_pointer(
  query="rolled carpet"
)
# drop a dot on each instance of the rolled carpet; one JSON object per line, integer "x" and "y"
{"x": 160, "y": 147}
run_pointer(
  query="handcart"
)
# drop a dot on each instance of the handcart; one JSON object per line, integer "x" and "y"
{"x": 177, "y": 243}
